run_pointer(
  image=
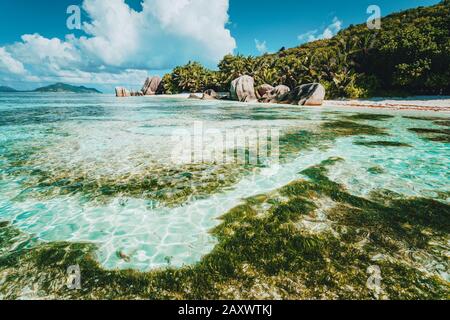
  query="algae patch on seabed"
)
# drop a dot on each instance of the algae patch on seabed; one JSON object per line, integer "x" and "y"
{"x": 375, "y": 170}
{"x": 291, "y": 143}
{"x": 308, "y": 240}
{"x": 432, "y": 134}
{"x": 44, "y": 177}
{"x": 424, "y": 118}
{"x": 341, "y": 128}
{"x": 46, "y": 174}
{"x": 436, "y": 135}
{"x": 369, "y": 116}
{"x": 442, "y": 123}
{"x": 381, "y": 144}
{"x": 169, "y": 186}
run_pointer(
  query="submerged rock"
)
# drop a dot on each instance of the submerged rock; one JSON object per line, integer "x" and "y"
{"x": 243, "y": 89}
{"x": 210, "y": 94}
{"x": 122, "y": 92}
{"x": 123, "y": 256}
{"x": 151, "y": 86}
{"x": 311, "y": 94}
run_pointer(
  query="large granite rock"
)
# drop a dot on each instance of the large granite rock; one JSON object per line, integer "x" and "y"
{"x": 262, "y": 90}
{"x": 122, "y": 92}
{"x": 210, "y": 94}
{"x": 276, "y": 95}
{"x": 243, "y": 89}
{"x": 151, "y": 86}
{"x": 311, "y": 94}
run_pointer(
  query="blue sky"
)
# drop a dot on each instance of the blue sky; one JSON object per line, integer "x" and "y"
{"x": 180, "y": 30}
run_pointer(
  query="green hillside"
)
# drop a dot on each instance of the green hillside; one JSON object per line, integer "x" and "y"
{"x": 410, "y": 55}
{"x": 62, "y": 87}
{"x": 7, "y": 89}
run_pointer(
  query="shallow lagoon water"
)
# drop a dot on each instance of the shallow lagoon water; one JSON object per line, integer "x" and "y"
{"x": 98, "y": 136}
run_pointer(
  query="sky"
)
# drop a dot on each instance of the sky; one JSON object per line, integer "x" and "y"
{"x": 121, "y": 42}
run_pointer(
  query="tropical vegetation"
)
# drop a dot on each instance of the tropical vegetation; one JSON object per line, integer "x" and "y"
{"x": 409, "y": 55}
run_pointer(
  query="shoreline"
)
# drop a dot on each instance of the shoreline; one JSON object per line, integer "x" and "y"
{"x": 436, "y": 104}
{"x": 419, "y": 103}
{"x": 414, "y": 103}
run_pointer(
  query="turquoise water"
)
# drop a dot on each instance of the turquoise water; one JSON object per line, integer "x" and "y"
{"x": 99, "y": 141}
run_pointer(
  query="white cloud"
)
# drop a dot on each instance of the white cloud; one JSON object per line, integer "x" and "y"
{"x": 114, "y": 33}
{"x": 120, "y": 44}
{"x": 332, "y": 29}
{"x": 328, "y": 33}
{"x": 9, "y": 64}
{"x": 261, "y": 46}
{"x": 308, "y": 36}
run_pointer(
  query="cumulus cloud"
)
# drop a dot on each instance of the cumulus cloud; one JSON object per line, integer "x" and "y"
{"x": 308, "y": 36}
{"x": 261, "y": 46}
{"x": 9, "y": 64}
{"x": 120, "y": 44}
{"x": 329, "y": 32}
{"x": 332, "y": 29}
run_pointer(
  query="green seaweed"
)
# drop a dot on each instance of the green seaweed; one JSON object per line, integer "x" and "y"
{"x": 428, "y": 130}
{"x": 276, "y": 116}
{"x": 369, "y": 116}
{"x": 442, "y": 123}
{"x": 350, "y": 128}
{"x": 375, "y": 170}
{"x": 439, "y": 138}
{"x": 165, "y": 185}
{"x": 436, "y": 135}
{"x": 263, "y": 252}
{"x": 170, "y": 186}
{"x": 381, "y": 144}
{"x": 424, "y": 118}
{"x": 295, "y": 141}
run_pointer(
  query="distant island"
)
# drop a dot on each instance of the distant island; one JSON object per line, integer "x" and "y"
{"x": 62, "y": 87}
{"x": 57, "y": 87}
{"x": 7, "y": 89}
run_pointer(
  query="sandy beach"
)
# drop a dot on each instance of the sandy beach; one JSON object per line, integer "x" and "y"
{"x": 441, "y": 104}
